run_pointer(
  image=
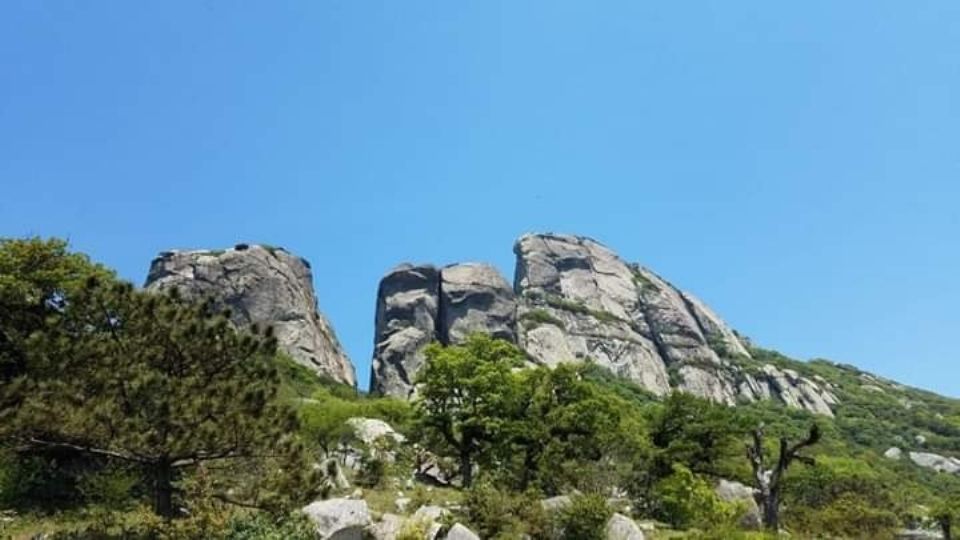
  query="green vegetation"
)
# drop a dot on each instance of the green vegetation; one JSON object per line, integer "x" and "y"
{"x": 130, "y": 415}
{"x": 580, "y": 308}
{"x": 536, "y": 317}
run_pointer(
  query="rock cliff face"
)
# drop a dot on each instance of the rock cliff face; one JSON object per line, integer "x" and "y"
{"x": 420, "y": 304}
{"x": 260, "y": 285}
{"x": 574, "y": 299}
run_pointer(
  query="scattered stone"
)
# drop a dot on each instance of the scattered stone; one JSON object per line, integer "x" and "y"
{"x": 936, "y": 462}
{"x": 460, "y": 532}
{"x": 370, "y": 430}
{"x": 620, "y": 527}
{"x": 402, "y": 504}
{"x": 893, "y": 453}
{"x": 387, "y": 527}
{"x": 736, "y": 492}
{"x": 431, "y": 512}
{"x": 339, "y": 519}
{"x": 556, "y": 503}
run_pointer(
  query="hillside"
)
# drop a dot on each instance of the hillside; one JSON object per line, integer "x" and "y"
{"x": 589, "y": 379}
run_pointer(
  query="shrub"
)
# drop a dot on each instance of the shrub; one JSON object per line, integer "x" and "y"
{"x": 493, "y": 513}
{"x": 685, "y": 500}
{"x": 584, "y": 518}
{"x": 261, "y": 526}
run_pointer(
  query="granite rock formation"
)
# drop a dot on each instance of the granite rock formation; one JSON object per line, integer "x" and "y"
{"x": 574, "y": 299}
{"x": 260, "y": 285}
{"x": 420, "y": 304}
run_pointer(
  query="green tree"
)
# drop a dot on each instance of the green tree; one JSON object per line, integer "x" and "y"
{"x": 947, "y": 513}
{"x": 565, "y": 425}
{"x": 37, "y": 279}
{"x": 842, "y": 496}
{"x": 703, "y": 436}
{"x": 768, "y": 477}
{"x": 151, "y": 381}
{"x": 465, "y": 395}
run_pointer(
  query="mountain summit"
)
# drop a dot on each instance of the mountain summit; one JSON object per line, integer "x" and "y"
{"x": 574, "y": 300}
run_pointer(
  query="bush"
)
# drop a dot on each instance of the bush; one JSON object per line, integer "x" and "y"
{"x": 492, "y": 513}
{"x": 685, "y": 500}
{"x": 584, "y": 518}
{"x": 261, "y": 526}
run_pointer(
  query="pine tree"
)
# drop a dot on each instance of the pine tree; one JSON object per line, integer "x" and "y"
{"x": 148, "y": 380}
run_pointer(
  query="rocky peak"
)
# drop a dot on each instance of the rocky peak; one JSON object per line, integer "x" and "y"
{"x": 575, "y": 299}
{"x": 260, "y": 285}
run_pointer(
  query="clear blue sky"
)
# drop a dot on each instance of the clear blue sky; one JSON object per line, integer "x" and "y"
{"x": 793, "y": 163}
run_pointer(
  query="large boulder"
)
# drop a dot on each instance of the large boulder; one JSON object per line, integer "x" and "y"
{"x": 620, "y": 527}
{"x": 461, "y": 532}
{"x": 264, "y": 286}
{"x": 370, "y": 430}
{"x": 936, "y": 462}
{"x": 741, "y": 494}
{"x": 339, "y": 519}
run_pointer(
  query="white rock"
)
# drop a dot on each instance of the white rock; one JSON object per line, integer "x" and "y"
{"x": 555, "y": 503}
{"x": 460, "y": 532}
{"x": 893, "y": 453}
{"x": 339, "y": 519}
{"x": 370, "y": 430}
{"x": 620, "y": 527}
{"x": 936, "y": 462}
{"x": 736, "y": 492}
{"x": 387, "y": 528}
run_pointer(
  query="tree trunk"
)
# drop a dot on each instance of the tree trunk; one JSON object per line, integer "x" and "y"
{"x": 945, "y": 526}
{"x": 466, "y": 468}
{"x": 163, "y": 489}
{"x": 771, "y": 510}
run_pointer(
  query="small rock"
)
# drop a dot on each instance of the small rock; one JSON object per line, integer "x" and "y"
{"x": 459, "y": 532}
{"x": 620, "y": 527}
{"x": 339, "y": 519}
{"x": 555, "y": 503}
{"x": 402, "y": 503}
{"x": 387, "y": 528}
{"x": 921, "y": 440}
{"x": 893, "y": 453}
{"x": 431, "y": 512}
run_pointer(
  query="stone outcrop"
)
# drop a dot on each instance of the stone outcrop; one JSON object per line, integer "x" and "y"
{"x": 574, "y": 299}
{"x": 420, "y": 304}
{"x": 262, "y": 286}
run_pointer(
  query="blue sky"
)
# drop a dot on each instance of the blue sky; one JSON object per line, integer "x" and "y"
{"x": 794, "y": 164}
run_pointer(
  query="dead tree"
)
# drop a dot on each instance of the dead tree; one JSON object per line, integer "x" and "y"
{"x": 768, "y": 480}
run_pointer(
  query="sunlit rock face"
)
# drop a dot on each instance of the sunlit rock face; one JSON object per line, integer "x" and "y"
{"x": 260, "y": 285}
{"x": 573, "y": 300}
